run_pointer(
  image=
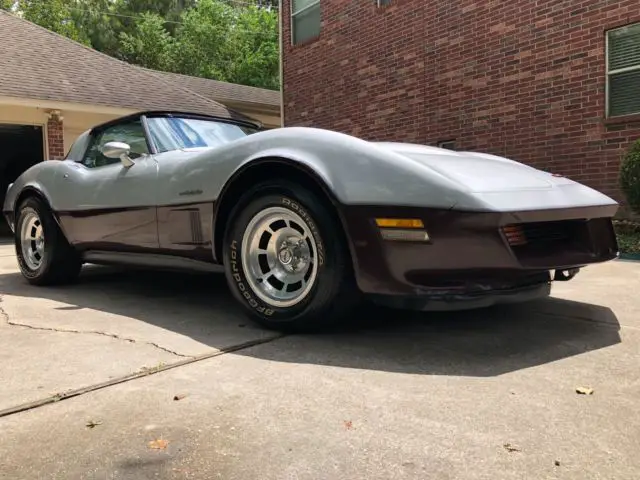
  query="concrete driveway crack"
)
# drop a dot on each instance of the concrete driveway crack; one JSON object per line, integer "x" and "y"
{"x": 140, "y": 374}
{"x": 8, "y": 320}
{"x": 186, "y": 360}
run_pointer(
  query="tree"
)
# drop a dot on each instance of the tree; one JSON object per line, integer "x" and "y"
{"x": 202, "y": 47}
{"x": 100, "y": 22}
{"x": 55, "y": 15}
{"x": 229, "y": 40}
{"x": 255, "y": 41}
{"x": 151, "y": 45}
{"x": 170, "y": 10}
{"x": 224, "y": 42}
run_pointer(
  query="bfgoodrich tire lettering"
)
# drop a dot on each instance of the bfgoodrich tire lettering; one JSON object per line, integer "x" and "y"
{"x": 58, "y": 262}
{"x": 332, "y": 292}
{"x": 243, "y": 289}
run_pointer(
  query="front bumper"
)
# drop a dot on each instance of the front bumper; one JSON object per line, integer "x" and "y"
{"x": 437, "y": 301}
{"x": 468, "y": 258}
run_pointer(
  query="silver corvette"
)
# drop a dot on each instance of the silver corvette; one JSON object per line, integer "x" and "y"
{"x": 305, "y": 221}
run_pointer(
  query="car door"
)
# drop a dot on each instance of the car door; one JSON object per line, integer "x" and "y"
{"x": 113, "y": 207}
{"x": 185, "y": 212}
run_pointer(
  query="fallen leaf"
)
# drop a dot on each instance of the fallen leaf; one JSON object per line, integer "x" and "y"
{"x": 348, "y": 424}
{"x": 584, "y": 391}
{"x": 510, "y": 448}
{"x": 92, "y": 424}
{"x": 179, "y": 397}
{"x": 159, "y": 444}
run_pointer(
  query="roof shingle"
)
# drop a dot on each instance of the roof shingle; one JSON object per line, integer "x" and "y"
{"x": 38, "y": 63}
{"x": 224, "y": 91}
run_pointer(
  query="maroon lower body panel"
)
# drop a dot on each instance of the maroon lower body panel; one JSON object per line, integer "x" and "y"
{"x": 183, "y": 230}
{"x": 471, "y": 255}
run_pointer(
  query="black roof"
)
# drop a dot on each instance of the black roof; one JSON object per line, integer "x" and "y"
{"x": 176, "y": 113}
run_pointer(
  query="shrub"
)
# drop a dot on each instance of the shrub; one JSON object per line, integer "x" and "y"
{"x": 630, "y": 176}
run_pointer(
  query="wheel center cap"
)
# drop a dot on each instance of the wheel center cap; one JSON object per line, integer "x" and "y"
{"x": 285, "y": 256}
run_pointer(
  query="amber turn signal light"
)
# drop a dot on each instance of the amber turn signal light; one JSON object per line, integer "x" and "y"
{"x": 399, "y": 223}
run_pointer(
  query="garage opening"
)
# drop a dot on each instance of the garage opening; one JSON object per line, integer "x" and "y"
{"x": 21, "y": 146}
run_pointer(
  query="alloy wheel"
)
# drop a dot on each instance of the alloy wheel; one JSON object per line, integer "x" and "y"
{"x": 279, "y": 257}
{"x": 32, "y": 240}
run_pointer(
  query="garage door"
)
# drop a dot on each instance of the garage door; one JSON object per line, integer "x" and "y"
{"x": 21, "y": 146}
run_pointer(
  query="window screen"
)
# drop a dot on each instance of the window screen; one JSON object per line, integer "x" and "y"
{"x": 623, "y": 70}
{"x": 305, "y": 20}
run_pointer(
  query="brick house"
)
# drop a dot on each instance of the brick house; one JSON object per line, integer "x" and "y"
{"x": 549, "y": 83}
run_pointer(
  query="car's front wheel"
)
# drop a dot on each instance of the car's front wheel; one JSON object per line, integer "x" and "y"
{"x": 286, "y": 261}
{"x": 44, "y": 255}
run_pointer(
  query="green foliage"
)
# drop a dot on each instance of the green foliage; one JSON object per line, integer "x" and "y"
{"x": 628, "y": 234}
{"x": 202, "y": 45}
{"x": 98, "y": 21}
{"x": 630, "y": 176}
{"x": 219, "y": 39}
{"x": 54, "y": 15}
{"x": 256, "y": 41}
{"x": 151, "y": 44}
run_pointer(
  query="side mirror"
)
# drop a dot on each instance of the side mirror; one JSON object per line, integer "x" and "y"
{"x": 118, "y": 150}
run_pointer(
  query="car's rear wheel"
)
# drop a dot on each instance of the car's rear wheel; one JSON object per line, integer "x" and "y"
{"x": 44, "y": 255}
{"x": 286, "y": 261}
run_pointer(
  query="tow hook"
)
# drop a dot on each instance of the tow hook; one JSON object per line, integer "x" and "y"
{"x": 565, "y": 275}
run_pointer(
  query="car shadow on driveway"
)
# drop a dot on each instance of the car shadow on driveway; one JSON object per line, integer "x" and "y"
{"x": 478, "y": 343}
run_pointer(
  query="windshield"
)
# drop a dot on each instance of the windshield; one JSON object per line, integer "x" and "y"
{"x": 175, "y": 133}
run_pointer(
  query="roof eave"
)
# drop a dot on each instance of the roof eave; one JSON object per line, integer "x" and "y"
{"x": 250, "y": 106}
{"x": 46, "y": 104}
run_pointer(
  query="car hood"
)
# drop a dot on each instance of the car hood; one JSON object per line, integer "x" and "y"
{"x": 479, "y": 172}
{"x": 496, "y": 183}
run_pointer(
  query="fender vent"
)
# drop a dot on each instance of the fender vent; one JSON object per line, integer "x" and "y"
{"x": 196, "y": 226}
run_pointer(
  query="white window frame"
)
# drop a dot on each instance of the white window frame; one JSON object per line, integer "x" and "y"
{"x": 608, "y": 72}
{"x": 294, "y": 14}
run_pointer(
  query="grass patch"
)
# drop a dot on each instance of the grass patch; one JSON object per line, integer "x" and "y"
{"x": 628, "y": 234}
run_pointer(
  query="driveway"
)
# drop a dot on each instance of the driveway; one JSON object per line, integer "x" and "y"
{"x": 159, "y": 375}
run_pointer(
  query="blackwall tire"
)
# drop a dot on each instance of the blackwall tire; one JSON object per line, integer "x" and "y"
{"x": 44, "y": 255}
{"x": 286, "y": 261}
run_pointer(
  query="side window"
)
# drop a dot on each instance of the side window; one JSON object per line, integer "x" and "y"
{"x": 305, "y": 20}
{"x": 176, "y": 133}
{"x": 131, "y": 133}
{"x": 623, "y": 70}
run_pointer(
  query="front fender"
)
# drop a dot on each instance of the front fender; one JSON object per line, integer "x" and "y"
{"x": 40, "y": 178}
{"x": 356, "y": 171}
{"x": 294, "y": 156}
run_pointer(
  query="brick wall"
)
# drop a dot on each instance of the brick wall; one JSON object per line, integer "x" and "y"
{"x": 520, "y": 78}
{"x": 55, "y": 138}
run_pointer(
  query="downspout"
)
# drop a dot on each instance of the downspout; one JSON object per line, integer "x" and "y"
{"x": 281, "y": 63}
